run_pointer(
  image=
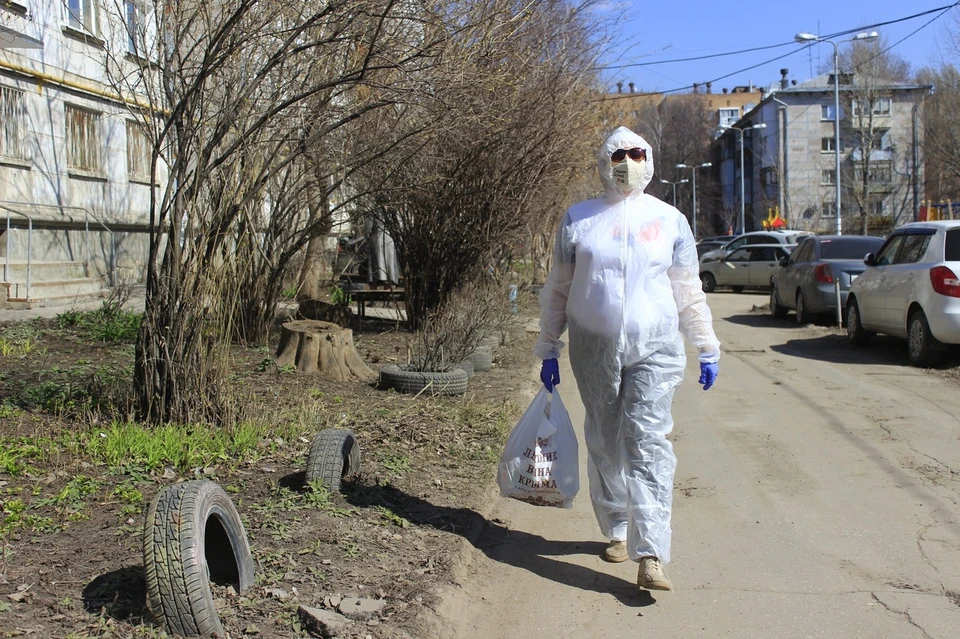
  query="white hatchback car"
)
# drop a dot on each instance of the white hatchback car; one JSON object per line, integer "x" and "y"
{"x": 911, "y": 290}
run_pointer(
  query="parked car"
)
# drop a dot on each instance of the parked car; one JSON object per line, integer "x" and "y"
{"x": 755, "y": 237}
{"x": 805, "y": 282}
{"x": 747, "y": 267}
{"x": 711, "y": 244}
{"x": 910, "y": 290}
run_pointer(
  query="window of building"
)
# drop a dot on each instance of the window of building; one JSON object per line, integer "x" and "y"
{"x": 880, "y": 106}
{"x": 12, "y": 124}
{"x": 877, "y": 173}
{"x": 138, "y": 152}
{"x": 81, "y": 15}
{"x": 827, "y": 145}
{"x": 83, "y": 139}
{"x": 875, "y": 207}
{"x": 828, "y": 177}
{"x": 132, "y": 19}
{"x": 827, "y": 112}
{"x": 729, "y": 116}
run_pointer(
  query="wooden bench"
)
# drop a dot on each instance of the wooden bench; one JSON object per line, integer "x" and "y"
{"x": 364, "y": 296}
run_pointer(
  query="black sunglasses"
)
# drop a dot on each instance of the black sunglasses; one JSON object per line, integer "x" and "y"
{"x": 636, "y": 154}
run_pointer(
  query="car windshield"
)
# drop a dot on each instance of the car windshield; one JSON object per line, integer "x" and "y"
{"x": 849, "y": 248}
{"x": 951, "y": 252}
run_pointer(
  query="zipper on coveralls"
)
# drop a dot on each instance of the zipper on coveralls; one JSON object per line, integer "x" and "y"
{"x": 623, "y": 296}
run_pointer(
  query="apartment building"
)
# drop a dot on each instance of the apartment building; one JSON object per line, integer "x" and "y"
{"x": 789, "y": 159}
{"x": 75, "y": 178}
{"x": 629, "y": 106}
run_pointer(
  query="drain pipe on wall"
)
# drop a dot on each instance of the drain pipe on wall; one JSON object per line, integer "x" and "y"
{"x": 783, "y": 156}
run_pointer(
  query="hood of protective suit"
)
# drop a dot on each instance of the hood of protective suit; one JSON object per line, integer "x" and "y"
{"x": 622, "y": 138}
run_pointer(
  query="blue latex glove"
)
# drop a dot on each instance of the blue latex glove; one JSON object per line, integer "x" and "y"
{"x": 708, "y": 374}
{"x": 550, "y": 373}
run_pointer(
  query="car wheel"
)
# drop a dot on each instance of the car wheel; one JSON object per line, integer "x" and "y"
{"x": 803, "y": 317}
{"x": 924, "y": 349}
{"x": 709, "y": 282}
{"x": 856, "y": 333}
{"x": 737, "y": 289}
{"x": 777, "y": 309}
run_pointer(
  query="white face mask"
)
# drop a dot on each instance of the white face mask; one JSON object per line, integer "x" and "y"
{"x": 629, "y": 174}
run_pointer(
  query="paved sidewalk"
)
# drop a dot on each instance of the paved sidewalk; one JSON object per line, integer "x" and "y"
{"x": 8, "y": 316}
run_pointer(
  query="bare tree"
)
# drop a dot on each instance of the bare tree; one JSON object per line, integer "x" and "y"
{"x": 941, "y": 140}
{"x": 869, "y": 173}
{"x": 243, "y": 96}
{"x": 507, "y": 119}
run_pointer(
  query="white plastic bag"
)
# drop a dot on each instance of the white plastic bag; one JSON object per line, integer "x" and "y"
{"x": 540, "y": 464}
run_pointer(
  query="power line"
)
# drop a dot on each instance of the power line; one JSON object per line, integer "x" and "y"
{"x": 777, "y": 46}
{"x": 942, "y": 11}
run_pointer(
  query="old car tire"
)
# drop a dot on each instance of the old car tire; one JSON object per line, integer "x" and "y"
{"x": 803, "y": 317}
{"x": 737, "y": 289}
{"x": 334, "y": 455}
{"x": 466, "y": 367}
{"x": 491, "y": 341}
{"x": 856, "y": 333}
{"x": 450, "y": 382}
{"x": 709, "y": 282}
{"x": 192, "y": 536}
{"x": 777, "y": 309}
{"x": 924, "y": 349}
{"x": 482, "y": 359}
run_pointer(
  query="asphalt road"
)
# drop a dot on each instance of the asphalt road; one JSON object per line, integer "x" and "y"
{"x": 817, "y": 495}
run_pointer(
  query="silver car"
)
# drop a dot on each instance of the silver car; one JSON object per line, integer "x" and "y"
{"x": 910, "y": 290}
{"x": 748, "y": 267}
{"x": 805, "y": 282}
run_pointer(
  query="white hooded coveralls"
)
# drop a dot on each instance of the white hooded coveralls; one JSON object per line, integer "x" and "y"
{"x": 626, "y": 281}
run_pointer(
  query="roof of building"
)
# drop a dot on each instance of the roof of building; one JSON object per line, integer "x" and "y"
{"x": 824, "y": 82}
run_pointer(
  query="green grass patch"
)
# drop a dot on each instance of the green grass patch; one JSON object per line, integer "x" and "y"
{"x": 183, "y": 447}
{"x": 78, "y": 389}
{"x": 110, "y": 323}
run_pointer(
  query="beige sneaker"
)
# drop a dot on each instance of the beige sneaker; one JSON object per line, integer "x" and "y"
{"x": 616, "y": 551}
{"x": 652, "y": 576}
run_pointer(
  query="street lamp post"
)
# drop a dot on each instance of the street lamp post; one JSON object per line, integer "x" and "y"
{"x": 809, "y": 37}
{"x": 694, "y": 170}
{"x": 743, "y": 220}
{"x": 675, "y": 189}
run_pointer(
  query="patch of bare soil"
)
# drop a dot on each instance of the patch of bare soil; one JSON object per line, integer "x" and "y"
{"x": 71, "y": 511}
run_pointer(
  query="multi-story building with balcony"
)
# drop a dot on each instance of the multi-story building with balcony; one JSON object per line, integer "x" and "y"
{"x": 790, "y": 163}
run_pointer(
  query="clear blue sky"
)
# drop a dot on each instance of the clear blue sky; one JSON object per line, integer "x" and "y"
{"x": 660, "y": 30}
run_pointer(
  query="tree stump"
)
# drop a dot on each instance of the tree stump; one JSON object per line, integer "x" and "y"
{"x": 322, "y": 347}
{"x": 318, "y": 310}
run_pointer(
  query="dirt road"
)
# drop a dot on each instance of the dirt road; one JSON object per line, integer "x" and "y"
{"x": 817, "y": 495}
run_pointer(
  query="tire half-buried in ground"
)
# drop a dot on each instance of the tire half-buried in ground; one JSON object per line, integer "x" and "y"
{"x": 450, "y": 382}
{"x": 482, "y": 359}
{"x": 334, "y": 454}
{"x": 192, "y": 535}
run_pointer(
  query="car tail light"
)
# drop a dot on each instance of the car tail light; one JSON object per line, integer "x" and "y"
{"x": 945, "y": 281}
{"x": 823, "y": 274}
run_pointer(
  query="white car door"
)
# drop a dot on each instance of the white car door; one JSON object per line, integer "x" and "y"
{"x": 735, "y": 269}
{"x": 871, "y": 285}
{"x": 901, "y": 279}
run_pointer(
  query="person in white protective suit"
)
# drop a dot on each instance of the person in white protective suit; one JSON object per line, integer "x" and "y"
{"x": 626, "y": 282}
